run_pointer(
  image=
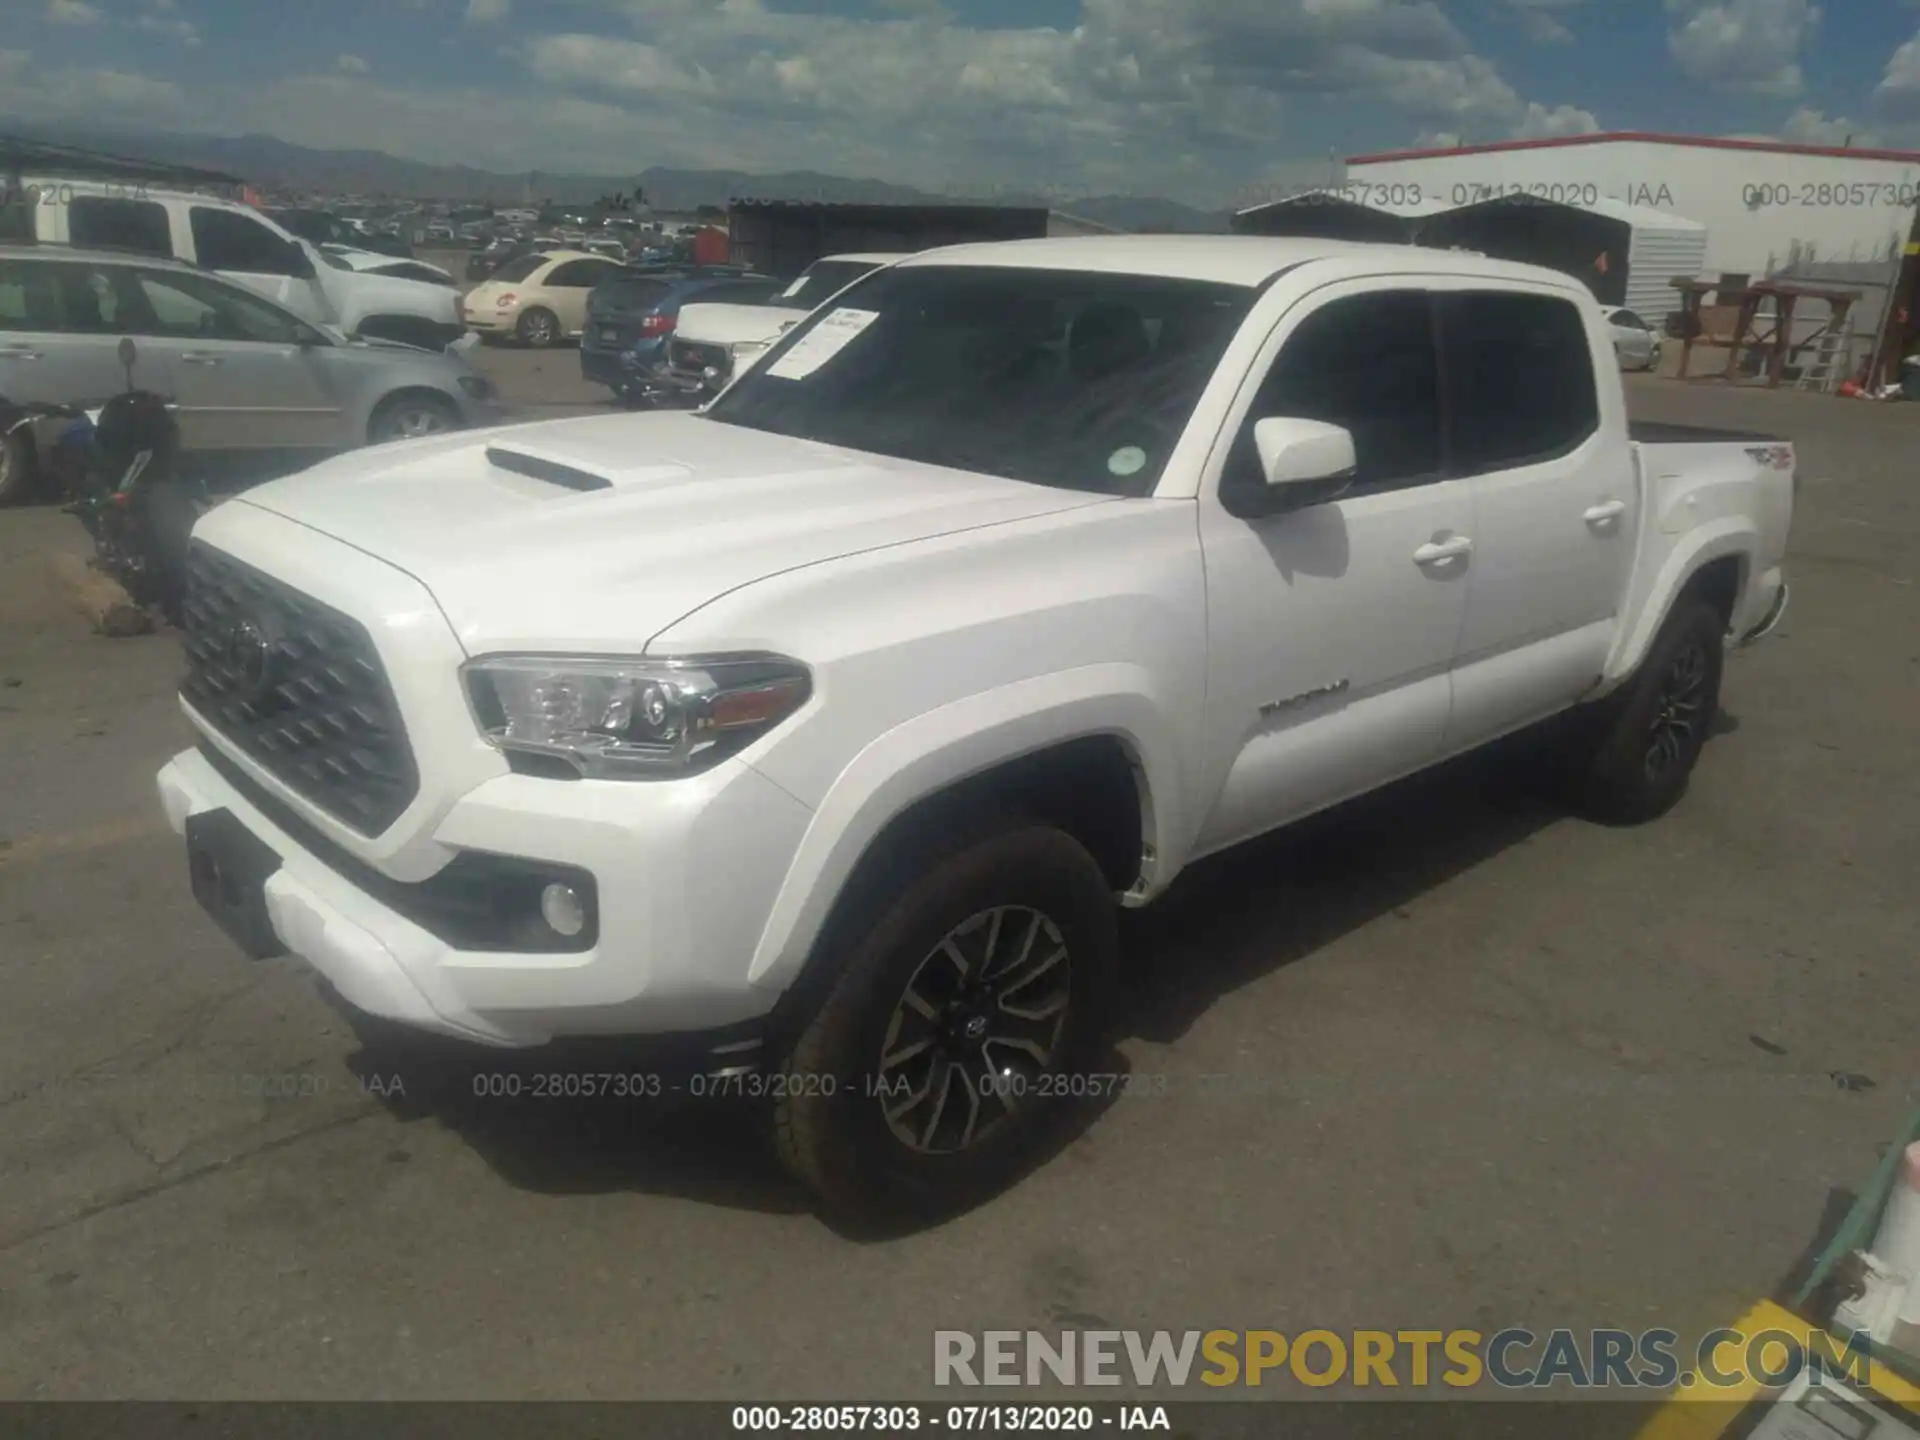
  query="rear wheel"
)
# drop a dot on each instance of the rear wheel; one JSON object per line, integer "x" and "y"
{"x": 538, "y": 329}
{"x": 412, "y": 416}
{"x": 17, "y": 471}
{"x": 941, "y": 1059}
{"x": 1651, "y": 732}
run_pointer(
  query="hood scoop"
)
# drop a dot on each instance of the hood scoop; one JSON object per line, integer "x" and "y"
{"x": 536, "y": 467}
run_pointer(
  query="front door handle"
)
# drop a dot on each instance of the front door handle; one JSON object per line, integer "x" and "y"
{"x": 1439, "y": 552}
{"x": 19, "y": 352}
{"x": 200, "y": 357}
{"x": 1606, "y": 512}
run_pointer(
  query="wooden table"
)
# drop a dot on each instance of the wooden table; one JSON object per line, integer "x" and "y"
{"x": 1778, "y": 341}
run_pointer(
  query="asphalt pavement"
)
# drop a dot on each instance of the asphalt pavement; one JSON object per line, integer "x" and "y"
{"x": 1483, "y": 1064}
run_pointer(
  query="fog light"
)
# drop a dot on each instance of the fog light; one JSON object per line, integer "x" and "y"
{"x": 561, "y": 908}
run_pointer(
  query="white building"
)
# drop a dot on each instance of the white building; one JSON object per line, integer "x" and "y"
{"x": 1764, "y": 205}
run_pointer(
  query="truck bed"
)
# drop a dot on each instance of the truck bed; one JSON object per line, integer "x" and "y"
{"x": 1656, "y": 432}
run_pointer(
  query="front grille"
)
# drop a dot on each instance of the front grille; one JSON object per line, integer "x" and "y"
{"x": 299, "y": 688}
{"x": 691, "y": 356}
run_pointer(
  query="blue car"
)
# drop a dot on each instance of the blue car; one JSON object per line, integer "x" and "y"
{"x": 631, "y": 316}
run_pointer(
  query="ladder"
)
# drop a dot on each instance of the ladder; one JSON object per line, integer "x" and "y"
{"x": 1832, "y": 350}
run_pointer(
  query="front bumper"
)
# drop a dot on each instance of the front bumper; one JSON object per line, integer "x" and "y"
{"x": 686, "y": 874}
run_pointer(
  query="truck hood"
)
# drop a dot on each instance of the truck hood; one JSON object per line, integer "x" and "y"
{"x": 717, "y": 324}
{"x": 595, "y": 535}
{"x": 356, "y": 294}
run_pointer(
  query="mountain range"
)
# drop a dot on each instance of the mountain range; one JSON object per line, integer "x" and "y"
{"x": 271, "y": 163}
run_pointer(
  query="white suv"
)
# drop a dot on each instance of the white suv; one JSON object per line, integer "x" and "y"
{"x": 240, "y": 243}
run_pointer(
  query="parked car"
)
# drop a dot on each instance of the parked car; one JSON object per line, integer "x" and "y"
{"x": 631, "y": 317}
{"x": 255, "y": 386}
{"x": 824, "y": 727}
{"x": 482, "y": 263}
{"x": 538, "y": 300}
{"x": 321, "y": 228}
{"x": 608, "y": 246}
{"x": 715, "y": 339}
{"x": 247, "y": 247}
{"x": 372, "y": 263}
{"x": 1635, "y": 342}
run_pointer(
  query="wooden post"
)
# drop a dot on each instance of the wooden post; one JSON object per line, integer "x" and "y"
{"x": 1782, "y": 331}
{"x": 1749, "y": 308}
{"x": 1690, "y": 297}
{"x": 1900, "y": 300}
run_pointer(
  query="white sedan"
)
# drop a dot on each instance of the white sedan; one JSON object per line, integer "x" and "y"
{"x": 1635, "y": 341}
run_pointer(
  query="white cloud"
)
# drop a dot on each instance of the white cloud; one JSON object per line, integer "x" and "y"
{"x": 616, "y": 65}
{"x": 1898, "y": 93}
{"x": 73, "y": 12}
{"x": 1544, "y": 123}
{"x": 1747, "y": 46}
{"x": 181, "y": 30}
{"x": 352, "y": 65}
{"x": 488, "y": 12}
{"x": 1813, "y": 127}
{"x": 1540, "y": 19}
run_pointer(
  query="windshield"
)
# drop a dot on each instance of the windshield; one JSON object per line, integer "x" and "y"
{"x": 1054, "y": 377}
{"x": 822, "y": 279}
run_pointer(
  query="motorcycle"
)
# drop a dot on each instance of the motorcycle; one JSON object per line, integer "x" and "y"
{"x": 117, "y": 464}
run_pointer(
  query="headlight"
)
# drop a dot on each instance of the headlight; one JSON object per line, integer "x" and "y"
{"x": 632, "y": 719}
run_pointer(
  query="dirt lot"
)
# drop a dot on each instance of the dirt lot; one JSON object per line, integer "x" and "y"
{"x": 1538, "y": 1072}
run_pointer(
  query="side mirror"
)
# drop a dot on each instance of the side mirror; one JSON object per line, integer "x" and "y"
{"x": 1302, "y": 463}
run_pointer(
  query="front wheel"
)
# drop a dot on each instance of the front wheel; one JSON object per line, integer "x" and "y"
{"x": 1652, "y": 731}
{"x": 412, "y": 416}
{"x": 944, "y": 1054}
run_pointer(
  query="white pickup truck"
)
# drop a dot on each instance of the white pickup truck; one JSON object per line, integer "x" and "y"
{"x": 819, "y": 732}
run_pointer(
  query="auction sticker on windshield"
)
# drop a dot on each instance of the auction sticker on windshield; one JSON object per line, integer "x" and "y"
{"x": 819, "y": 345}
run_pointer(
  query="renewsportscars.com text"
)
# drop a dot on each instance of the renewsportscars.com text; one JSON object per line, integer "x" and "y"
{"x": 1449, "y": 1360}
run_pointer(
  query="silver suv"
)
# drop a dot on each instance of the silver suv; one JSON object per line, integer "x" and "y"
{"x": 257, "y": 390}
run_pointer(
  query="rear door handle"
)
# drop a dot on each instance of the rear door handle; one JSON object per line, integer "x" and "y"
{"x": 19, "y": 352}
{"x": 201, "y": 357}
{"x": 1606, "y": 512}
{"x": 1440, "y": 551}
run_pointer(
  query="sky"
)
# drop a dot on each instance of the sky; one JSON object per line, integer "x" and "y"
{"x": 1197, "y": 100}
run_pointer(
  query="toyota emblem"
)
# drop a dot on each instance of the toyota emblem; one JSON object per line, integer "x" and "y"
{"x": 250, "y": 654}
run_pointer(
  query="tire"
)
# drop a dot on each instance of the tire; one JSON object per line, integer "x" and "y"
{"x": 864, "y": 1051}
{"x": 18, "y": 474}
{"x": 538, "y": 329}
{"x": 1651, "y": 732}
{"x": 412, "y": 415}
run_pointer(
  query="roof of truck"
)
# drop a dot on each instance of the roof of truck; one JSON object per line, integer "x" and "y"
{"x": 89, "y": 254}
{"x": 1224, "y": 259}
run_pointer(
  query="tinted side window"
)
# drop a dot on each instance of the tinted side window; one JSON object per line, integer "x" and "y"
{"x": 29, "y": 298}
{"x": 580, "y": 274}
{"x": 228, "y": 240}
{"x": 195, "y": 306}
{"x": 1367, "y": 363}
{"x": 120, "y": 224}
{"x": 1519, "y": 379}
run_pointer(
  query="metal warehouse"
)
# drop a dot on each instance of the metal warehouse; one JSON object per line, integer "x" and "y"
{"x": 1765, "y": 206}
{"x": 1628, "y": 254}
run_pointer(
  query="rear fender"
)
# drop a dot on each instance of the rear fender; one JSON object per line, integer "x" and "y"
{"x": 1714, "y": 540}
